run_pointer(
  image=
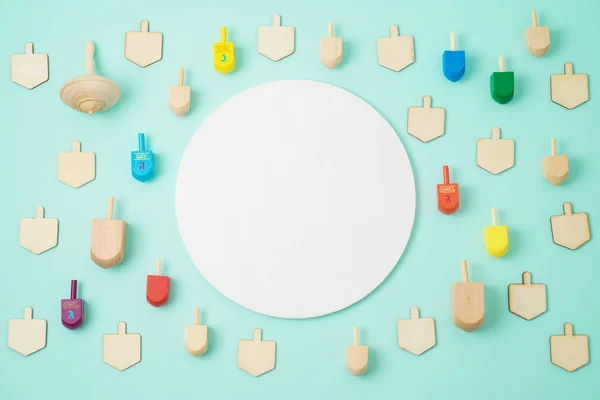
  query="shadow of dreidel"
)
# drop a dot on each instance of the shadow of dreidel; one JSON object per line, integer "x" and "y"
{"x": 71, "y": 310}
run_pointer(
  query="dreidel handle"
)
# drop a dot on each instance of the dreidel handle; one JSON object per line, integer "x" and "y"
{"x": 526, "y": 278}
{"x": 446, "y": 173}
{"x": 414, "y": 313}
{"x": 276, "y": 20}
{"x": 76, "y": 146}
{"x": 569, "y": 68}
{"x": 495, "y": 133}
{"x": 73, "y": 289}
{"x": 223, "y": 34}
{"x": 111, "y": 203}
{"x": 141, "y": 142}
{"x": 257, "y": 336}
{"x": 158, "y": 267}
{"x": 553, "y": 146}
{"x": 568, "y": 208}
{"x": 39, "y": 212}
{"x": 426, "y": 101}
{"x": 330, "y": 29}
{"x": 90, "y": 64}
{"x": 501, "y": 64}
{"x": 355, "y": 335}
{"x": 568, "y": 329}
{"x": 394, "y": 31}
{"x": 452, "y": 41}
{"x": 494, "y": 218}
{"x": 28, "y": 313}
{"x": 534, "y": 21}
{"x": 144, "y": 26}
{"x": 180, "y": 76}
{"x": 121, "y": 328}
{"x": 464, "y": 270}
{"x": 28, "y": 48}
{"x": 197, "y": 316}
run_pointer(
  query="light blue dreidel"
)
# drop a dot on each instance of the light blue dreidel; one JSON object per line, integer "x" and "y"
{"x": 142, "y": 161}
{"x": 453, "y": 61}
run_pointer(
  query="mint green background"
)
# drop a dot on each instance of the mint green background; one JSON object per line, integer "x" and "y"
{"x": 507, "y": 358}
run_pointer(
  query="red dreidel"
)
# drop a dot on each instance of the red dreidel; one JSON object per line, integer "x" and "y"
{"x": 447, "y": 194}
{"x": 157, "y": 288}
{"x": 71, "y": 310}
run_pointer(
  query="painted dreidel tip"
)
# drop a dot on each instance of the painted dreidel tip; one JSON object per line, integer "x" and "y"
{"x": 496, "y": 238}
{"x": 502, "y": 84}
{"x": 357, "y": 357}
{"x": 196, "y": 336}
{"x": 224, "y": 54}
{"x": 71, "y": 310}
{"x": 142, "y": 161}
{"x": 447, "y": 194}
{"x": 453, "y": 61}
{"x": 157, "y": 287}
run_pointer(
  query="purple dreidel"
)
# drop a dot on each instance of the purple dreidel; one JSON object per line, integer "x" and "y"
{"x": 71, "y": 310}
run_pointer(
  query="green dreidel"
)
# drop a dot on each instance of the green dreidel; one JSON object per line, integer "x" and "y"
{"x": 502, "y": 84}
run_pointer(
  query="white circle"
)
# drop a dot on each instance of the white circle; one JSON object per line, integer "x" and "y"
{"x": 295, "y": 199}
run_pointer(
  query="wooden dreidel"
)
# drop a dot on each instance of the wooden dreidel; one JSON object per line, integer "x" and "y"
{"x": 157, "y": 287}
{"x": 502, "y": 84}
{"x": 196, "y": 336}
{"x": 555, "y": 166}
{"x": 142, "y": 161}
{"x": 570, "y": 230}
{"x": 357, "y": 357}
{"x": 395, "y": 52}
{"x": 537, "y": 38}
{"x": 426, "y": 123}
{"x": 38, "y": 234}
{"x": 447, "y": 194}
{"x": 416, "y": 335}
{"x": 224, "y": 54}
{"x": 527, "y": 300}
{"x": 569, "y": 351}
{"x": 27, "y": 335}
{"x": 108, "y": 239}
{"x": 71, "y": 310}
{"x": 453, "y": 61}
{"x": 29, "y": 70}
{"x": 331, "y": 49}
{"x": 569, "y": 90}
{"x": 495, "y": 155}
{"x": 121, "y": 350}
{"x": 179, "y": 97}
{"x": 276, "y": 42}
{"x": 495, "y": 237}
{"x": 256, "y": 356}
{"x": 76, "y": 168}
{"x": 468, "y": 303}
{"x": 143, "y": 48}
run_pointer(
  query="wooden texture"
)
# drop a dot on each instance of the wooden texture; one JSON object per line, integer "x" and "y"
{"x": 27, "y": 335}
{"x": 426, "y": 123}
{"x": 571, "y": 230}
{"x": 276, "y": 42}
{"x": 495, "y": 155}
{"x": 122, "y": 350}
{"x": 179, "y": 97}
{"x": 331, "y": 49}
{"x": 555, "y": 167}
{"x": 357, "y": 357}
{"x": 29, "y": 70}
{"x": 537, "y": 38}
{"x": 196, "y": 336}
{"x": 527, "y": 300}
{"x": 256, "y": 356}
{"x": 157, "y": 288}
{"x": 495, "y": 237}
{"x": 569, "y": 351}
{"x": 447, "y": 194}
{"x": 395, "y": 52}
{"x": 416, "y": 335}
{"x": 38, "y": 234}
{"x": 453, "y": 61}
{"x": 224, "y": 54}
{"x": 76, "y": 168}
{"x": 569, "y": 90}
{"x": 502, "y": 84}
{"x": 468, "y": 303}
{"x": 143, "y": 48}
{"x": 108, "y": 239}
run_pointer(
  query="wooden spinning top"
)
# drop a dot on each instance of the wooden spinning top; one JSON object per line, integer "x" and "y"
{"x": 90, "y": 93}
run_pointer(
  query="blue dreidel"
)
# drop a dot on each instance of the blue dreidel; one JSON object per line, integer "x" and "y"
{"x": 453, "y": 61}
{"x": 142, "y": 161}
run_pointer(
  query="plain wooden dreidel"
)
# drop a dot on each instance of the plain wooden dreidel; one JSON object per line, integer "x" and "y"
{"x": 276, "y": 42}
{"x": 502, "y": 84}
{"x": 122, "y": 350}
{"x": 142, "y": 161}
{"x": 179, "y": 97}
{"x": 537, "y": 38}
{"x": 143, "y": 48}
{"x": 494, "y": 154}
{"x": 416, "y": 335}
{"x": 157, "y": 287}
{"x": 27, "y": 335}
{"x": 396, "y": 52}
{"x": 453, "y": 61}
{"x": 224, "y": 54}
{"x": 569, "y": 351}
{"x": 426, "y": 123}
{"x": 527, "y": 300}
{"x": 571, "y": 230}
{"x": 569, "y": 90}
{"x": 71, "y": 310}
{"x": 38, "y": 234}
{"x": 29, "y": 70}
{"x": 357, "y": 357}
{"x": 108, "y": 239}
{"x": 468, "y": 303}
{"x": 555, "y": 167}
{"x": 495, "y": 237}
{"x": 196, "y": 336}
{"x": 76, "y": 168}
{"x": 256, "y": 356}
{"x": 331, "y": 49}
{"x": 447, "y": 194}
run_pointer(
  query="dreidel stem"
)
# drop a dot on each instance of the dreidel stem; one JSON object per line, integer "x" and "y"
{"x": 121, "y": 328}
{"x": 180, "y": 76}
{"x": 223, "y": 34}
{"x": 356, "y": 335}
{"x": 414, "y": 312}
{"x": 157, "y": 267}
{"x": 446, "y": 174}
{"x": 501, "y": 64}
{"x": 526, "y": 278}
{"x": 452, "y": 41}
{"x": 141, "y": 142}
{"x": 568, "y": 329}
{"x": 73, "y": 289}
{"x": 465, "y": 270}
{"x": 276, "y": 20}
{"x": 39, "y": 212}
{"x": 553, "y": 146}
{"x": 568, "y": 208}
{"x": 28, "y": 313}
{"x": 394, "y": 31}
{"x": 144, "y": 26}
{"x": 76, "y": 146}
{"x": 111, "y": 203}
{"x": 494, "y": 218}
{"x": 534, "y": 19}
{"x": 197, "y": 316}
{"x": 257, "y": 334}
{"x": 28, "y": 48}
{"x": 330, "y": 29}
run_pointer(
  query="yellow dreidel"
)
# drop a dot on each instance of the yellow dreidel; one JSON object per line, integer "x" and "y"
{"x": 496, "y": 237}
{"x": 223, "y": 54}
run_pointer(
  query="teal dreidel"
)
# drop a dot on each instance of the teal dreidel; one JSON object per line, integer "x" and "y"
{"x": 502, "y": 84}
{"x": 142, "y": 161}
{"x": 453, "y": 61}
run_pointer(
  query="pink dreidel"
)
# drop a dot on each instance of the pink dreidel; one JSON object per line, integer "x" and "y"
{"x": 71, "y": 310}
